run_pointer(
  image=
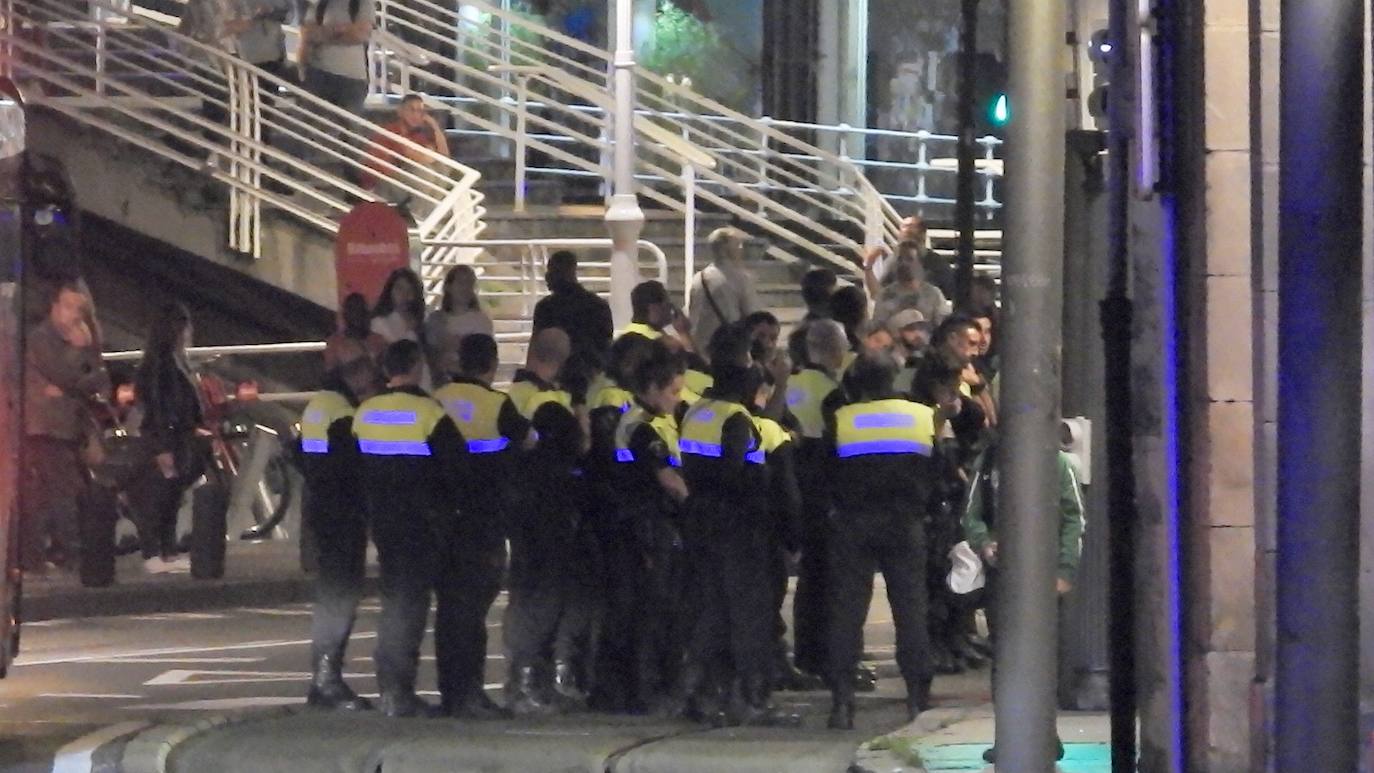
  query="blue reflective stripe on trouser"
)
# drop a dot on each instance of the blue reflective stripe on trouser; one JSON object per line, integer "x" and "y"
{"x": 488, "y": 446}
{"x": 394, "y": 447}
{"x": 884, "y": 420}
{"x": 624, "y": 455}
{"x": 389, "y": 418}
{"x": 870, "y": 447}
{"x": 315, "y": 446}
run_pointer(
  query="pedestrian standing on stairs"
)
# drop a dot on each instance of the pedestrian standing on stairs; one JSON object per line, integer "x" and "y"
{"x": 723, "y": 292}
{"x": 460, "y": 315}
{"x": 333, "y": 51}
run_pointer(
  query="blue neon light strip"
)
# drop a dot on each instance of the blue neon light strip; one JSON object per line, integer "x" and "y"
{"x": 875, "y": 447}
{"x": 314, "y": 446}
{"x": 884, "y": 420}
{"x": 394, "y": 447}
{"x": 1169, "y": 314}
{"x": 491, "y": 446}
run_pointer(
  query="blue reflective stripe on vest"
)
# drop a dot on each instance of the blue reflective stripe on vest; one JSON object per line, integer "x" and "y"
{"x": 394, "y": 447}
{"x": 871, "y": 447}
{"x": 624, "y": 455}
{"x": 884, "y": 420}
{"x": 713, "y": 450}
{"x": 315, "y": 446}
{"x": 390, "y": 418}
{"x": 488, "y": 446}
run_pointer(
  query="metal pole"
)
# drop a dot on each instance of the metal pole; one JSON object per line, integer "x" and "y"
{"x": 689, "y": 244}
{"x": 967, "y": 154}
{"x": 1027, "y": 610}
{"x": 521, "y": 142}
{"x": 1320, "y": 236}
{"x": 624, "y": 218}
{"x": 1116, "y": 314}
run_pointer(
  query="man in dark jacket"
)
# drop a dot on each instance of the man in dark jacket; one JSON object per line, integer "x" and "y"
{"x": 580, "y": 313}
{"x": 64, "y": 375}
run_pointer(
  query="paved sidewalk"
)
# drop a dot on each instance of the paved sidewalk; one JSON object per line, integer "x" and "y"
{"x": 954, "y": 739}
{"x": 256, "y": 573}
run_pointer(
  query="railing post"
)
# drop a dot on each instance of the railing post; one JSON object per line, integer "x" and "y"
{"x": 989, "y": 201}
{"x": 99, "y": 59}
{"x": 922, "y": 162}
{"x": 521, "y": 140}
{"x": 873, "y": 221}
{"x": 689, "y": 234}
{"x": 764, "y": 159}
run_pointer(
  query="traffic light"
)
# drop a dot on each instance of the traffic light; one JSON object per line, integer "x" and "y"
{"x": 992, "y": 108}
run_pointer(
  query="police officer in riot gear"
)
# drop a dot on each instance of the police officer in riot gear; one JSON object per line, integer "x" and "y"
{"x": 881, "y": 476}
{"x": 333, "y": 512}
{"x": 414, "y": 464}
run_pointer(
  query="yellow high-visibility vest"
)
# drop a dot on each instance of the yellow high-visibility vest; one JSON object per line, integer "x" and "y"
{"x": 396, "y": 424}
{"x": 321, "y": 412}
{"x": 806, "y": 393}
{"x": 703, "y": 430}
{"x": 889, "y": 426}
{"x": 476, "y": 410}
{"x": 664, "y": 426}
{"x": 639, "y": 328}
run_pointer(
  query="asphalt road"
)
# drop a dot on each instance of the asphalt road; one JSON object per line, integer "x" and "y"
{"x": 76, "y": 678}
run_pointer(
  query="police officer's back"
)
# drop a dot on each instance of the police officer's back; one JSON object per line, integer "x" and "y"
{"x": 413, "y": 464}
{"x": 881, "y": 477}
{"x": 472, "y": 561}
{"x": 336, "y": 522}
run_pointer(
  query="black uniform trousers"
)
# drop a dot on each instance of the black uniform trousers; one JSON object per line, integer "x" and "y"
{"x": 810, "y": 604}
{"x": 469, "y": 580}
{"x": 543, "y": 542}
{"x": 408, "y": 551}
{"x": 340, "y": 534}
{"x": 731, "y": 584}
{"x": 640, "y": 643}
{"x": 891, "y": 541}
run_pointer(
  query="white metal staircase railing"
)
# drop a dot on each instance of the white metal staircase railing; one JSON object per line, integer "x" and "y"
{"x": 813, "y": 201}
{"x": 276, "y": 146}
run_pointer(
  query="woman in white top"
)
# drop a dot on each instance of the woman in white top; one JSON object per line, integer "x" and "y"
{"x": 400, "y": 312}
{"x": 460, "y": 315}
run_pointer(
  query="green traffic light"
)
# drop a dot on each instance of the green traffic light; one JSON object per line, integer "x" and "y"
{"x": 1001, "y": 110}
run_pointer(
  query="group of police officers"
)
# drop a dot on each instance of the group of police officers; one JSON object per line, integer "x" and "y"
{"x": 651, "y": 506}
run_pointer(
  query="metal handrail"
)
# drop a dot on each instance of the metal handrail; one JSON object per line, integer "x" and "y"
{"x": 157, "y": 90}
{"x": 534, "y": 257}
{"x": 210, "y": 352}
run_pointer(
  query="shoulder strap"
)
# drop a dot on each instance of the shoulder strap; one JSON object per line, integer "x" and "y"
{"x": 706, "y": 286}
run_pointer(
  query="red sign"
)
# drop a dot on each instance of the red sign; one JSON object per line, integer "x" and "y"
{"x": 372, "y": 242}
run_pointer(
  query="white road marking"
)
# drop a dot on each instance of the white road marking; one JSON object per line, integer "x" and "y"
{"x": 108, "y": 656}
{"x": 219, "y": 704}
{"x": 75, "y": 757}
{"x": 164, "y": 617}
{"x": 174, "y": 659}
{"x": 188, "y": 677}
{"x": 89, "y": 695}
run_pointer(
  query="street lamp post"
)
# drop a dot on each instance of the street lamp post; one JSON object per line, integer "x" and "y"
{"x": 624, "y": 218}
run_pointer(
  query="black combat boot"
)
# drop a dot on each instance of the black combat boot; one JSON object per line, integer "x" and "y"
{"x": 565, "y": 682}
{"x": 524, "y": 696}
{"x": 476, "y": 705}
{"x": 759, "y": 711}
{"x": 328, "y": 689}
{"x": 404, "y": 704}
{"x": 841, "y": 714}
